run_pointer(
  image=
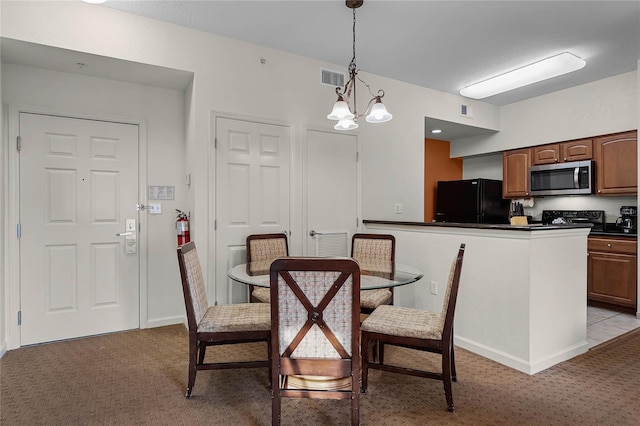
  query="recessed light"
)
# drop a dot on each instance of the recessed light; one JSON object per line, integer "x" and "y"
{"x": 95, "y": 1}
{"x": 436, "y": 131}
{"x": 547, "y": 68}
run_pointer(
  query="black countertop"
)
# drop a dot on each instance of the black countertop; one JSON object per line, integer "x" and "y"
{"x": 610, "y": 229}
{"x": 507, "y": 227}
{"x": 611, "y": 232}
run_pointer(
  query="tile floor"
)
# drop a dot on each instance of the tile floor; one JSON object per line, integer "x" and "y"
{"x": 603, "y": 325}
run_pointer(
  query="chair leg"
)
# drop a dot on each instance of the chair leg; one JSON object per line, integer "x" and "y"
{"x": 203, "y": 350}
{"x": 365, "y": 361}
{"x": 454, "y": 376}
{"x": 275, "y": 405}
{"x": 355, "y": 407}
{"x": 193, "y": 354}
{"x": 269, "y": 361}
{"x": 380, "y": 352}
{"x": 446, "y": 377}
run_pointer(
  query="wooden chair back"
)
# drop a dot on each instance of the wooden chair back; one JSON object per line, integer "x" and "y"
{"x": 263, "y": 249}
{"x": 315, "y": 305}
{"x": 375, "y": 253}
{"x": 193, "y": 289}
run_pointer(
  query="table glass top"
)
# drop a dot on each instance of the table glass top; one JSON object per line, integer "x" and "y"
{"x": 404, "y": 274}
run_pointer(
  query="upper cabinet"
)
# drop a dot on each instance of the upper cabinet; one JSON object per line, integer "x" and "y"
{"x": 577, "y": 150}
{"x": 515, "y": 173}
{"x": 615, "y": 158}
{"x": 616, "y": 164}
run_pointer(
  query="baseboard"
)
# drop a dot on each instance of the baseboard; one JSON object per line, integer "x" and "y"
{"x": 493, "y": 354}
{"x": 161, "y": 322}
{"x": 528, "y": 367}
{"x": 559, "y": 357}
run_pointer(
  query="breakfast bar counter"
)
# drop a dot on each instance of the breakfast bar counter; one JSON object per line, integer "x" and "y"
{"x": 523, "y": 289}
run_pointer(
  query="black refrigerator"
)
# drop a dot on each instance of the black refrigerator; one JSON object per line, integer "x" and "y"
{"x": 471, "y": 201}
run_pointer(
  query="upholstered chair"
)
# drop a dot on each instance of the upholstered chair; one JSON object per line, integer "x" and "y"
{"x": 416, "y": 329}
{"x": 262, "y": 250}
{"x": 219, "y": 324}
{"x": 315, "y": 313}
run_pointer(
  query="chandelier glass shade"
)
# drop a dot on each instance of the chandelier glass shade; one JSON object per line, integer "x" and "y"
{"x": 345, "y": 110}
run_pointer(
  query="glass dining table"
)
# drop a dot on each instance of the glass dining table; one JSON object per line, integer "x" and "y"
{"x": 404, "y": 274}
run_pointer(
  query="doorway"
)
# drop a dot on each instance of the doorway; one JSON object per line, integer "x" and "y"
{"x": 78, "y": 189}
{"x": 331, "y": 192}
{"x": 252, "y": 193}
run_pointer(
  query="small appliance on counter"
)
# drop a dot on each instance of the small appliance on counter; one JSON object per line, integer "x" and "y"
{"x": 628, "y": 220}
{"x": 574, "y": 217}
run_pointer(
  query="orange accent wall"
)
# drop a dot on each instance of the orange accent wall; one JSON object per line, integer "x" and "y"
{"x": 437, "y": 166}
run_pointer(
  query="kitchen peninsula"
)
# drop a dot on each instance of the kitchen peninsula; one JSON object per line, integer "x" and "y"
{"x": 523, "y": 289}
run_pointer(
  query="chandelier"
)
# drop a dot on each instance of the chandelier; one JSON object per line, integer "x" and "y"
{"x": 345, "y": 113}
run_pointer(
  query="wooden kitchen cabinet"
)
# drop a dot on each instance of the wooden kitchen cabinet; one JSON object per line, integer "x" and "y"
{"x": 616, "y": 164}
{"x": 576, "y": 150}
{"x": 612, "y": 271}
{"x": 515, "y": 173}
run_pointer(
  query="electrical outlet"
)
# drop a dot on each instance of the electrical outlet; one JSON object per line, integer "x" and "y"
{"x": 434, "y": 287}
{"x": 155, "y": 208}
{"x": 398, "y": 208}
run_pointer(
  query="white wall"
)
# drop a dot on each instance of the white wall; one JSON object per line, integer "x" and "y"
{"x": 162, "y": 112}
{"x": 598, "y": 108}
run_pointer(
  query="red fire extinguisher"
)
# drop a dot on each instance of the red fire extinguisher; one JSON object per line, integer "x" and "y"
{"x": 182, "y": 227}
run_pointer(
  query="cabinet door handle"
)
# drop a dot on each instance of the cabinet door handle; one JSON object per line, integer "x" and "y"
{"x": 609, "y": 245}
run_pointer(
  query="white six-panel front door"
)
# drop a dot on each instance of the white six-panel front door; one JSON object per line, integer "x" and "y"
{"x": 78, "y": 186}
{"x": 252, "y": 193}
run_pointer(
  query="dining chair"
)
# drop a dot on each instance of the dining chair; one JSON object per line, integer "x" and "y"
{"x": 218, "y": 324}
{"x": 416, "y": 329}
{"x": 375, "y": 254}
{"x": 262, "y": 250}
{"x": 315, "y": 310}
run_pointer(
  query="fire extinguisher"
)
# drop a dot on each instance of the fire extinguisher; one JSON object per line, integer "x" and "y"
{"x": 182, "y": 227}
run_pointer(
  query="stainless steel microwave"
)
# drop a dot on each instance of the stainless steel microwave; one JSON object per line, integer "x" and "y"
{"x": 572, "y": 178}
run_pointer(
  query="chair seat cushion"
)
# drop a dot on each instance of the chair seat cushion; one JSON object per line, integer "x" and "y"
{"x": 239, "y": 317}
{"x": 406, "y": 322}
{"x": 262, "y": 294}
{"x": 371, "y": 299}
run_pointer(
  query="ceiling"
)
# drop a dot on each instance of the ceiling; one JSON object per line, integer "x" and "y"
{"x": 442, "y": 45}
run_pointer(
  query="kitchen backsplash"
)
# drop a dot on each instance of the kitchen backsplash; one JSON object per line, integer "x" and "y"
{"x": 610, "y": 205}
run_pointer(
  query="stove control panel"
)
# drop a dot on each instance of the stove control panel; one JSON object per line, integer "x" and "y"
{"x": 574, "y": 217}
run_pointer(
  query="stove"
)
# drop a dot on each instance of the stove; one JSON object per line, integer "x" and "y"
{"x": 574, "y": 217}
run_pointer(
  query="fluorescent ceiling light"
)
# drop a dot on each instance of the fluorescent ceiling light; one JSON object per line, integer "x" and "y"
{"x": 529, "y": 74}
{"x": 436, "y": 131}
{"x": 95, "y": 1}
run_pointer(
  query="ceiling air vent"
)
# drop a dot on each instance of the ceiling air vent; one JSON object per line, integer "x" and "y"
{"x": 331, "y": 78}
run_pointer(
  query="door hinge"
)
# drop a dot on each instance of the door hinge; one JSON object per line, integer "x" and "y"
{"x": 215, "y": 224}
{"x": 357, "y": 156}
{"x": 19, "y": 317}
{"x": 18, "y": 143}
{"x": 215, "y": 143}
{"x": 19, "y": 230}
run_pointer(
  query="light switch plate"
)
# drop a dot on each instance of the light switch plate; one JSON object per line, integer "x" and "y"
{"x": 155, "y": 208}
{"x": 398, "y": 208}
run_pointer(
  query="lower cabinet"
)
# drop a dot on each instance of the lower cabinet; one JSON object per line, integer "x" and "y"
{"x": 612, "y": 271}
